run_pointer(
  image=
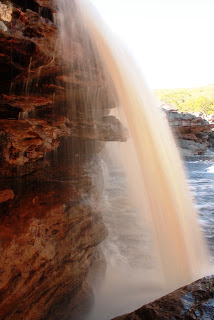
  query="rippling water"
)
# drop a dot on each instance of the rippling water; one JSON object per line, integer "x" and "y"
{"x": 201, "y": 178}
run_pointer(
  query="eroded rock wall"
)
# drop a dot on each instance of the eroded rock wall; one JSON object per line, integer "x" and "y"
{"x": 50, "y": 174}
{"x": 193, "y": 132}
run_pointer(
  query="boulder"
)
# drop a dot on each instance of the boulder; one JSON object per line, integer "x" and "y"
{"x": 195, "y": 148}
{"x": 194, "y": 301}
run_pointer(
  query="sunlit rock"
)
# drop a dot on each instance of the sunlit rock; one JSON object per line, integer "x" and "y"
{"x": 193, "y": 131}
{"x": 6, "y": 12}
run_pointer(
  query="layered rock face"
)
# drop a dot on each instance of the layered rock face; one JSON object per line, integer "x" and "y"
{"x": 193, "y": 132}
{"x": 194, "y": 301}
{"x": 53, "y": 125}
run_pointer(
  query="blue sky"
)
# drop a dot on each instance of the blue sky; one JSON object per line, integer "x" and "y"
{"x": 172, "y": 40}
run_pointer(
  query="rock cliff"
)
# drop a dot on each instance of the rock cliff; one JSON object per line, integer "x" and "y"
{"x": 193, "y": 131}
{"x": 50, "y": 175}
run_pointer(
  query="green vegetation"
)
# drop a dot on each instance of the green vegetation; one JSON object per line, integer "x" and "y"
{"x": 190, "y": 100}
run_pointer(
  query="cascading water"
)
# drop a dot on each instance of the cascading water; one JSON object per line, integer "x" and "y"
{"x": 163, "y": 209}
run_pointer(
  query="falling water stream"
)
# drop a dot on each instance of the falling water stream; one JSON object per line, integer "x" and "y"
{"x": 154, "y": 244}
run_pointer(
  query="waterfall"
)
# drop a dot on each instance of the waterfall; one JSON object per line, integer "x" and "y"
{"x": 151, "y": 160}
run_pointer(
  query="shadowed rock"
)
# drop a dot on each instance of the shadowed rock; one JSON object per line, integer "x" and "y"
{"x": 195, "y": 301}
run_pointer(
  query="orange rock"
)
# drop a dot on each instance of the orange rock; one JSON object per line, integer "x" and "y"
{"x": 50, "y": 230}
{"x": 29, "y": 140}
{"x": 27, "y": 103}
{"x": 6, "y": 195}
{"x": 48, "y": 236}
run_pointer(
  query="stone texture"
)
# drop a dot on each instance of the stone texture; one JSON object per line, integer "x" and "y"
{"x": 48, "y": 236}
{"x": 5, "y": 12}
{"x": 187, "y": 122}
{"x": 195, "y": 148}
{"x": 47, "y": 4}
{"x": 24, "y": 51}
{"x": 26, "y": 103}
{"x": 107, "y": 128}
{"x": 193, "y": 131}
{"x": 6, "y": 195}
{"x": 25, "y": 141}
{"x": 194, "y": 301}
{"x": 54, "y": 120}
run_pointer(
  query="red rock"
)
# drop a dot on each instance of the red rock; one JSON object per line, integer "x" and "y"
{"x": 29, "y": 140}
{"x": 25, "y": 40}
{"x": 50, "y": 230}
{"x": 27, "y": 103}
{"x": 6, "y": 195}
{"x": 48, "y": 236}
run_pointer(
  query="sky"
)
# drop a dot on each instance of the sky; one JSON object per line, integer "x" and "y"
{"x": 171, "y": 40}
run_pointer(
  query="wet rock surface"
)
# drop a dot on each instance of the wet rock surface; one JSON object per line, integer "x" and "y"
{"x": 48, "y": 237}
{"x": 195, "y": 301}
{"x": 53, "y": 125}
